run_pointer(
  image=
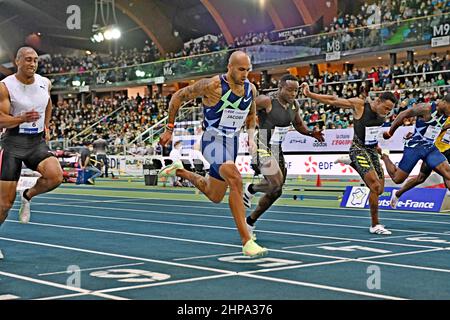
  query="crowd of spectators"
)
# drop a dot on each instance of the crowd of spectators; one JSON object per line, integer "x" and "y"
{"x": 344, "y": 28}
{"x": 121, "y": 119}
{"x": 411, "y": 83}
{"x": 91, "y": 61}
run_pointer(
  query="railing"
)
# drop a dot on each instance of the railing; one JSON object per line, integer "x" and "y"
{"x": 89, "y": 129}
{"x": 404, "y": 33}
{"x": 420, "y": 74}
{"x": 430, "y": 88}
{"x": 158, "y": 128}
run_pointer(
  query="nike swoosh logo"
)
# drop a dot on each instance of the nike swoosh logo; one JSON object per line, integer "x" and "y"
{"x": 246, "y": 100}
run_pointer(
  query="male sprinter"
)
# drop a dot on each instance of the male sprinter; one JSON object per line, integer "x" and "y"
{"x": 368, "y": 117}
{"x": 228, "y": 102}
{"x": 25, "y": 112}
{"x": 443, "y": 144}
{"x": 431, "y": 118}
{"x": 276, "y": 114}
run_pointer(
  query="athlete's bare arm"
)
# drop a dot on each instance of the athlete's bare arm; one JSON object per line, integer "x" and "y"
{"x": 355, "y": 104}
{"x": 250, "y": 122}
{"x": 263, "y": 102}
{"x": 48, "y": 112}
{"x": 418, "y": 110}
{"x": 6, "y": 120}
{"x": 301, "y": 127}
{"x": 208, "y": 89}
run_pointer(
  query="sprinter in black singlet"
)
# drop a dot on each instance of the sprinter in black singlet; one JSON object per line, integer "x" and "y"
{"x": 368, "y": 117}
{"x": 276, "y": 114}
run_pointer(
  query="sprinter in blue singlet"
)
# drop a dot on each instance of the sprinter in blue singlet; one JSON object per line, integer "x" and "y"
{"x": 228, "y": 102}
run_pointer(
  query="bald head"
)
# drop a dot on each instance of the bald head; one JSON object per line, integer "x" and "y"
{"x": 23, "y": 51}
{"x": 239, "y": 66}
{"x": 238, "y": 57}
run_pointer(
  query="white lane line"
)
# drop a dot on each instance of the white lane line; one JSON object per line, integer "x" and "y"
{"x": 209, "y": 256}
{"x": 117, "y": 255}
{"x": 169, "y": 238}
{"x": 202, "y": 226}
{"x": 157, "y": 284}
{"x": 60, "y": 286}
{"x": 376, "y": 262}
{"x": 299, "y": 266}
{"x": 356, "y": 211}
{"x": 188, "y": 240}
{"x": 222, "y": 217}
{"x": 314, "y": 245}
{"x": 97, "y": 268}
{"x": 217, "y": 270}
{"x": 404, "y": 236}
{"x": 319, "y": 286}
{"x": 270, "y": 211}
{"x": 8, "y": 297}
{"x": 401, "y": 254}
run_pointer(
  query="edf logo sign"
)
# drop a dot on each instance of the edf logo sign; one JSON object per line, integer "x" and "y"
{"x": 326, "y": 165}
{"x": 312, "y": 166}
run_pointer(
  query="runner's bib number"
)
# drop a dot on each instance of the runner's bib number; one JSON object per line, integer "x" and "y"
{"x": 279, "y": 133}
{"x": 233, "y": 119}
{"x": 446, "y": 137}
{"x": 432, "y": 132}
{"x": 372, "y": 135}
{"x": 32, "y": 127}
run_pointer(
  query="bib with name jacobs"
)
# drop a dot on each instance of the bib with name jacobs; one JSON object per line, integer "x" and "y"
{"x": 232, "y": 118}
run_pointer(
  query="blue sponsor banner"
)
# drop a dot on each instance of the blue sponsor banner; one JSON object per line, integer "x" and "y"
{"x": 417, "y": 199}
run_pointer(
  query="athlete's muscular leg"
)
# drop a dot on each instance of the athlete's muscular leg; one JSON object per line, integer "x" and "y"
{"x": 229, "y": 172}
{"x": 51, "y": 177}
{"x": 7, "y": 197}
{"x": 273, "y": 188}
{"x": 214, "y": 189}
{"x": 411, "y": 183}
{"x": 397, "y": 175}
{"x": 375, "y": 184}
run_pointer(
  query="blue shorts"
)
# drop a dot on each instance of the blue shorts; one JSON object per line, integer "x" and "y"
{"x": 431, "y": 156}
{"x": 217, "y": 150}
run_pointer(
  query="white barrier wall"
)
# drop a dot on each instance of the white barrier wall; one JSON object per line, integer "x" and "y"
{"x": 317, "y": 164}
{"x": 336, "y": 140}
{"x": 296, "y": 165}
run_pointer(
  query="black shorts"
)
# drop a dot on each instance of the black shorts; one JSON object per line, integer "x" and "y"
{"x": 11, "y": 159}
{"x": 265, "y": 154}
{"x": 365, "y": 158}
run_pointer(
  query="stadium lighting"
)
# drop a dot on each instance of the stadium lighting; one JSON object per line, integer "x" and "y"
{"x": 116, "y": 34}
{"x": 108, "y": 34}
{"x": 105, "y": 28}
{"x": 140, "y": 73}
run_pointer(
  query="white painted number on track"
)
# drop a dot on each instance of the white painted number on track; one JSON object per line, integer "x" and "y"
{"x": 130, "y": 275}
{"x": 261, "y": 262}
{"x": 428, "y": 239}
{"x": 8, "y": 297}
{"x": 354, "y": 248}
